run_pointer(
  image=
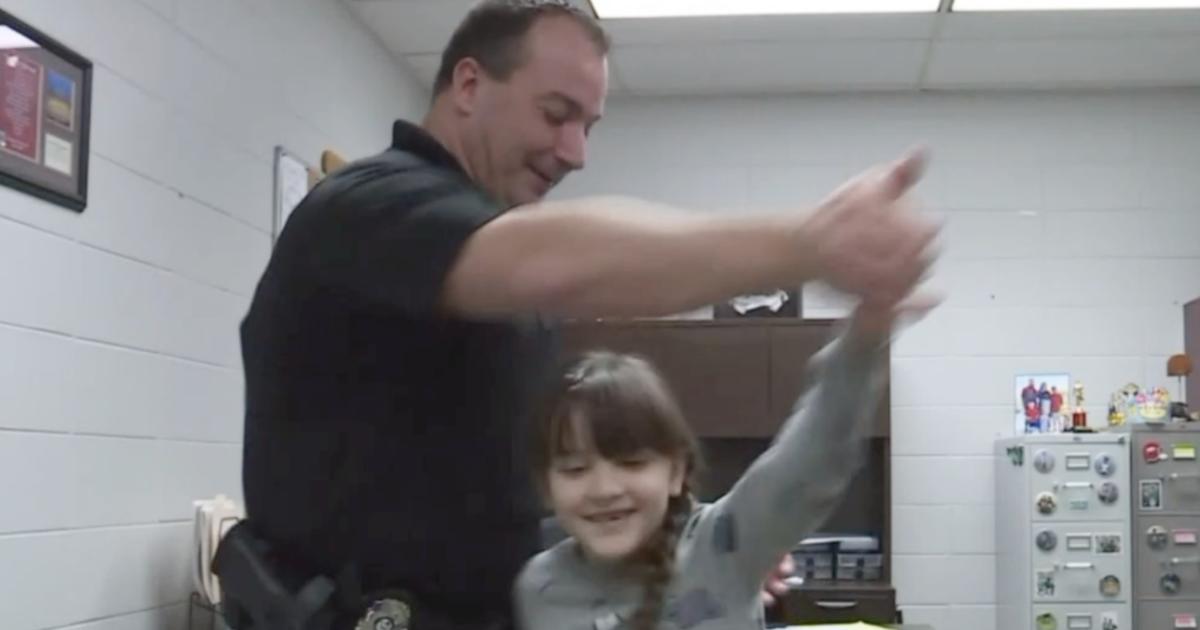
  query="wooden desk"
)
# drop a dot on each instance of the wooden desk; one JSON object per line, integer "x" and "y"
{"x": 832, "y": 601}
{"x": 905, "y": 627}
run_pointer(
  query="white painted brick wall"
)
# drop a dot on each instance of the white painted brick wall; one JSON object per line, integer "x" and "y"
{"x": 1072, "y": 239}
{"x": 121, "y": 384}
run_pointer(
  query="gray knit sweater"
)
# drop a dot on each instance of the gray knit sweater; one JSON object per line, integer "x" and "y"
{"x": 728, "y": 547}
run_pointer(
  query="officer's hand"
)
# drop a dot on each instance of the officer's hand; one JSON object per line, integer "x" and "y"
{"x": 867, "y": 238}
{"x": 876, "y": 322}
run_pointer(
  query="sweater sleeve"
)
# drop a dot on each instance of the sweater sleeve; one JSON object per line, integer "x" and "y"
{"x": 523, "y": 602}
{"x": 525, "y": 594}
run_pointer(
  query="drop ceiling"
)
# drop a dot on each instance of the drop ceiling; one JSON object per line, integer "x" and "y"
{"x": 837, "y": 53}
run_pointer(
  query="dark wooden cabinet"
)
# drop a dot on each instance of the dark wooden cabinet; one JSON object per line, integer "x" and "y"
{"x": 720, "y": 373}
{"x": 1191, "y": 333}
{"x": 734, "y": 378}
{"x": 791, "y": 348}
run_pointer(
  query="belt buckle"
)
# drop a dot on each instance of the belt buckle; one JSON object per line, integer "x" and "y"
{"x": 386, "y": 614}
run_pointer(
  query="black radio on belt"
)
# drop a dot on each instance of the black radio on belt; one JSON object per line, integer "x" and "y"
{"x": 259, "y": 593}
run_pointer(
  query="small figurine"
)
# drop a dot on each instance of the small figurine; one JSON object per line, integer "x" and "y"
{"x": 1116, "y": 410}
{"x": 1130, "y": 393}
{"x": 1154, "y": 405}
{"x": 1079, "y": 416}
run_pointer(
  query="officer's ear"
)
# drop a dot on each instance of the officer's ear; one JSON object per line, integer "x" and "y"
{"x": 465, "y": 83}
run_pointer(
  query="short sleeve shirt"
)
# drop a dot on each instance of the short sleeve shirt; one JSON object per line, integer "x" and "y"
{"x": 380, "y": 430}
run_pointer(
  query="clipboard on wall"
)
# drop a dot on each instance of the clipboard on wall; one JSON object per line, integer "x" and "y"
{"x": 293, "y": 179}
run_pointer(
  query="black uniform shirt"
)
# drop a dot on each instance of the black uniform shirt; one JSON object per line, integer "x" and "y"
{"x": 380, "y": 430}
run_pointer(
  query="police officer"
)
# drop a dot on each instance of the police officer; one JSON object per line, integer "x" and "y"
{"x": 405, "y": 320}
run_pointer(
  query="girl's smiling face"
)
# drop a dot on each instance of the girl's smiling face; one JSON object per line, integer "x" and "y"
{"x": 612, "y": 506}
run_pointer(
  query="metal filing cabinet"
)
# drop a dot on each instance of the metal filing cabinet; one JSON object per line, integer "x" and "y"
{"x": 1166, "y": 553}
{"x": 1063, "y": 559}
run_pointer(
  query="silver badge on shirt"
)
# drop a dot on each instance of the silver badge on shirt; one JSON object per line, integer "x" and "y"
{"x": 386, "y": 614}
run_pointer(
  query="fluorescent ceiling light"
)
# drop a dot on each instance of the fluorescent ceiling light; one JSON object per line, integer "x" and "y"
{"x": 1069, "y": 5}
{"x": 608, "y": 9}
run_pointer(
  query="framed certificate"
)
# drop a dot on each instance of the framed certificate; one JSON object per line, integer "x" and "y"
{"x": 45, "y": 115}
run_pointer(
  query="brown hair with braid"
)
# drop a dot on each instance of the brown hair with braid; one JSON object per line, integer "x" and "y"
{"x": 658, "y": 562}
{"x": 621, "y": 406}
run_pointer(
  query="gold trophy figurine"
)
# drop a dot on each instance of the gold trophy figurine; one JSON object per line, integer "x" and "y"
{"x": 1079, "y": 416}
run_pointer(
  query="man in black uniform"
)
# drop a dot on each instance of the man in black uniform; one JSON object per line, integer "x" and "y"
{"x": 403, "y": 324}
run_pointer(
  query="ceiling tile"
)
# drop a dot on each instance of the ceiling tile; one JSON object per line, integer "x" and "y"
{"x": 770, "y": 28}
{"x": 769, "y": 67}
{"x": 1065, "y": 63}
{"x": 831, "y": 53}
{"x": 1068, "y": 24}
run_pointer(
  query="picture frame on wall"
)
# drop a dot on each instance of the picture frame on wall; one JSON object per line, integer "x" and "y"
{"x": 45, "y": 115}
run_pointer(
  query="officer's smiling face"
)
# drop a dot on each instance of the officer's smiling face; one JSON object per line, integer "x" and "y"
{"x": 532, "y": 128}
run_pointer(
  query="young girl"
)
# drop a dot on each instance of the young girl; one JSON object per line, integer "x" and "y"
{"x": 615, "y": 458}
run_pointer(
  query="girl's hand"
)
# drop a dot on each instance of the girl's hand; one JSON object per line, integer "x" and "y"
{"x": 875, "y": 322}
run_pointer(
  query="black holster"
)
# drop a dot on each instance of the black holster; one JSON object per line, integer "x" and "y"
{"x": 258, "y": 592}
{"x": 263, "y": 589}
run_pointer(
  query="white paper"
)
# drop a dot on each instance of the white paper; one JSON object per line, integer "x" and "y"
{"x": 745, "y": 303}
{"x": 291, "y": 186}
{"x": 1079, "y": 622}
{"x": 58, "y": 154}
{"x": 1079, "y": 542}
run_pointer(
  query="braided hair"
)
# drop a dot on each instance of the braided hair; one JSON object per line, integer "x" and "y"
{"x": 658, "y": 563}
{"x": 619, "y": 405}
